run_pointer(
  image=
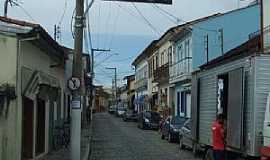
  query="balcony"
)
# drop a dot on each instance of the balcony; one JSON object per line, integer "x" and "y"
{"x": 141, "y": 84}
{"x": 161, "y": 74}
{"x": 181, "y": 71}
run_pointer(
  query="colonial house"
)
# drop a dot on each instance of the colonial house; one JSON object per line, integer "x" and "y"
{"x": 203, "y": 40}
{"x": 32, "y": 85}
{"x": 130, "y": 91}
{"x": 160, "y": 59}
{"x": 141, "y": 82}
{"x": 123, "y": 93}
{"x": 101, "y": 99}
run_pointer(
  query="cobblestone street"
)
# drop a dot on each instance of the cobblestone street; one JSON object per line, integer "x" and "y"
{"x": 114, "y": 139}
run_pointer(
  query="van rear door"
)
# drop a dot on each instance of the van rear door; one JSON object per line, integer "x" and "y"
{"x": 235, "y": 109}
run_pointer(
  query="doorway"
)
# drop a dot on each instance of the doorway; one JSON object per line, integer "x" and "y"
{"x": 27, "y": 134}
{"x": 40, "y": 128}
{"x": 230, "y": 103}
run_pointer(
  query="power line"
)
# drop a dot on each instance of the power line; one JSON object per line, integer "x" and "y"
{"x": 99, "y": 12}
{"x": 23, "y": 9}
{"x": 107, "y": 23}
{"x": 64, "y": 13}
{"x": 180, "y": 19}
{"x": 114, "y": 29}
{"x": 145, "y": 19}
{"x": 165, "y": 15}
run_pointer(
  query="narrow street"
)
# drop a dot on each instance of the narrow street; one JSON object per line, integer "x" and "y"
{"x": 114, "y": 139}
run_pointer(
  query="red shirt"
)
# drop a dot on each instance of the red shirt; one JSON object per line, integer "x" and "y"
{"x": 218, "y": 136}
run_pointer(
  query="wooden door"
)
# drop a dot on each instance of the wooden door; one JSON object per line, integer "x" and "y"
{"x": 27, "y": 133}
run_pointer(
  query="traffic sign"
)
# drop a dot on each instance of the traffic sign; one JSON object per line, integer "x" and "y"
{"x": 145, "y": 1}
{"x": 74, "y": 83}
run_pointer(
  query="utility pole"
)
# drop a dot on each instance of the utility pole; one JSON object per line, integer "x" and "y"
{"x": 77, "y": 73}
{"x": 221, "y": 40}
{"x": 93, "y": 50}
{"x": 206, "y": 43}
{"x": 115, "y": 82}
{"x": 6, "y": 7}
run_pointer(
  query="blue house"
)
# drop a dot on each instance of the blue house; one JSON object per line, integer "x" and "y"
{"x": 202, "y": 40}
{"x": 224, "y": 32}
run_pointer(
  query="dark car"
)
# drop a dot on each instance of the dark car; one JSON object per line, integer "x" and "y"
{"x": 149, "y": 120}
{"x": 171, "y": 127}
{"x": 130, "y": 116}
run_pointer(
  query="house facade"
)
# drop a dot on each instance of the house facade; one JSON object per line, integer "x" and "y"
{"x": 34, "y": 74}
{"x": 203, "y": 40}
{"x": 141, "y": 82}
{"x": 130, "y": 91}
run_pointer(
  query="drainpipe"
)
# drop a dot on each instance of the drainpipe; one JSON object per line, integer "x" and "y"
{"x": 19, "y": 87}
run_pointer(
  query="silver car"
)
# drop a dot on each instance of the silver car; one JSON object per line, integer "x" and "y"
{"x": 185, "y": 138}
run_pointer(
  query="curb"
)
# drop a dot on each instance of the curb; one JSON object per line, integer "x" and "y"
{"x": 89, "y": 146}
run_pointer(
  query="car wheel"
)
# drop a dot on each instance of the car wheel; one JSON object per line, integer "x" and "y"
{"x": 170, "y": 138}
{"x": 181, "y": 144}
{"x": 209, "y": 154}
{"x": 195, "y": 150}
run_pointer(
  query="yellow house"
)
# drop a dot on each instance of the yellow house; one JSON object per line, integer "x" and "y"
{"x": 32, "y": 85}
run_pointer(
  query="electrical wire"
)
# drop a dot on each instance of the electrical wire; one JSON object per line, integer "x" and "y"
{"x": 64, "y": 13}
{"x": 114, "y": 29}
{"x": 178, "y": 20}
{"x": 98, "y": 31}
{"x": 104, "y": 60}
{"x": 145, "y": 19}
{"x": 107, "y": 24}
{"x": 24, "y": 10}
{"x": 71, "y": 24}
{"x": 165, "y": 15}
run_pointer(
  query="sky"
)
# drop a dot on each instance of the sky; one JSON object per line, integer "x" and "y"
{"x": 124, "y": 28}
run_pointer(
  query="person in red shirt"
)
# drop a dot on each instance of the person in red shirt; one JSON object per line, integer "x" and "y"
{"x": 218, "y": 138}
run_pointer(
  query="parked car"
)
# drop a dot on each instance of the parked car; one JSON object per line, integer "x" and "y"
{"x": 120, "y": 111}
{"x": 185, "y": 137}
{"x": 149, "y": 120}
{"x": 112, "y": 109}
{"x": 171, "y": 127}
{"x": 130, "y": 116}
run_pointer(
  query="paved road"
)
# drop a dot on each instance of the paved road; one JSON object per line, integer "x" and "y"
{"x": 114, "y": 139}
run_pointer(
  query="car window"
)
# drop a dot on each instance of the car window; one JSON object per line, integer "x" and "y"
{"x": 147, "y": 115}
{"x": 178, "y": 120}
{"x": 155, "y": 116}
{"x": 188, "y": 124}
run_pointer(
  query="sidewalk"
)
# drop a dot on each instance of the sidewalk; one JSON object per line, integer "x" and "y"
{"x": 64, "y": 153}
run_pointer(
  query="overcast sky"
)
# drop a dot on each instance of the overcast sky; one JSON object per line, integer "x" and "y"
{"x": 118, "y": 25}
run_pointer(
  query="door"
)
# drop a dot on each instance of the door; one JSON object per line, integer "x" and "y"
{"x": 178, "y": 103}
{"x": 27, "y": 134}
{"x": 235, "y": 109}
{"x": 40, "y": 128}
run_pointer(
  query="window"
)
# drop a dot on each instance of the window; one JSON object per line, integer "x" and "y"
{"x": 187, "y": 49}
{"x": 162, "y": 58}
{"x": 179, "y": 53}
{"x": 157, "y": 61}
{"x": 170, "y": 55}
